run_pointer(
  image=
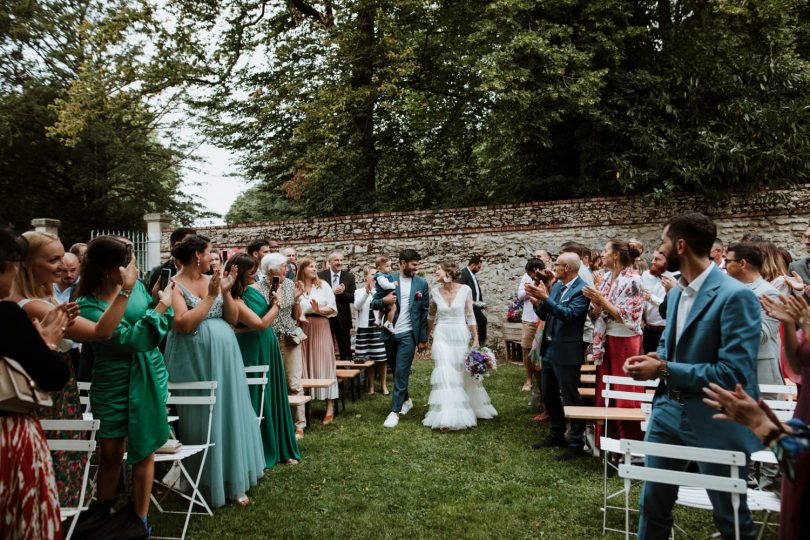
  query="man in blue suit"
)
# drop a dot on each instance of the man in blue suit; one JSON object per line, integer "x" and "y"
{"x": 712, "y": 335}
{"x": 564, "y": 309}
{"x": 410, "y": 329}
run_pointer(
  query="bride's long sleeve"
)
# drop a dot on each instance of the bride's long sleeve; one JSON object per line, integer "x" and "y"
{"x": 468, "y": 309}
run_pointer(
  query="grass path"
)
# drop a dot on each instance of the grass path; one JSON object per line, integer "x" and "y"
{"x": 359, "y": 480}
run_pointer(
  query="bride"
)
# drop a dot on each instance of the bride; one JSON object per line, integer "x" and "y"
{"x": 456, "y": 399}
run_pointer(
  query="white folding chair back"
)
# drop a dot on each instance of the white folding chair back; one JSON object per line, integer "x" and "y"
{"x": 732, "y": 484}
{"x": 790, "y": 391}
{"x": 205, "y": 395}
{"x": 611, "y": 445}
{"x": 257, "y": 376}
{"x": 84, "y": 399}
{"x": 87, "y": 445}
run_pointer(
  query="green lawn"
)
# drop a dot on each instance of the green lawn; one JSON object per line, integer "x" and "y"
{"x": 360, "y": 480}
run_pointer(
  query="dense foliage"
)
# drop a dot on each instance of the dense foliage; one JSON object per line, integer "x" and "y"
{"x": 79, "y": 132}
{"x": 341, "y": 106}
{"x": 357, "y": 105}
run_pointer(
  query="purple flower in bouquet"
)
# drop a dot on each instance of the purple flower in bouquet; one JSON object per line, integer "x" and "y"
{"x": 480, "y": 361}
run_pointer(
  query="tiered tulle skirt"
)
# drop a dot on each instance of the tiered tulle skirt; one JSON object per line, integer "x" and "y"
{"x": 456, "y": 399}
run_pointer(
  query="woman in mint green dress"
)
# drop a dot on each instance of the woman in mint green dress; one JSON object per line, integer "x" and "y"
{"x": 129, "y": 389}
{"x": 202, "y": 347}
{"x": 259, "y": 346}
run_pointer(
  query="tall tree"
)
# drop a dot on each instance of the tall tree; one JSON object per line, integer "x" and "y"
{"x": 83, "y": 102}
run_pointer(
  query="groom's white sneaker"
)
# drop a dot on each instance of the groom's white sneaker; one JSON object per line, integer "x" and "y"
{"x": 392, "y": 420}
{"x": 407, "y": 406}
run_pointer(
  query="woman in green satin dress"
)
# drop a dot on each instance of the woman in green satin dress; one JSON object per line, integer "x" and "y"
{"x": 129, "y": 389}
{"x": 259, "y": 346}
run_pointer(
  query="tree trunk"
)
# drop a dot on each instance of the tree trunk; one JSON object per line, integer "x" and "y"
{"x": 362, "y": 84}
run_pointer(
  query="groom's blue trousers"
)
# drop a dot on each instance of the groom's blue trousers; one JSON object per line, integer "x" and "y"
{"x": 402, "y": 347}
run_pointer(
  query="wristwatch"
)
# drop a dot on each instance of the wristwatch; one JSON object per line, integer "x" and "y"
{"x": 125, "y": 293}
{"x": 663, "y": 371}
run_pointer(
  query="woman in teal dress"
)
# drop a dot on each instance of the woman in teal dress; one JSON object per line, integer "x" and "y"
{"x": 203, "y": 347}
{"x": 259, "y": 346}
{"x": 129, "y": 389}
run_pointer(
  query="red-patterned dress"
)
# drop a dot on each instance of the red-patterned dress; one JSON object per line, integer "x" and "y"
{"x": 29, "y": 506}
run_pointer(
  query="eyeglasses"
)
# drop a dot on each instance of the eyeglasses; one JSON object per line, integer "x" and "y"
{"x": 727, "y": 260}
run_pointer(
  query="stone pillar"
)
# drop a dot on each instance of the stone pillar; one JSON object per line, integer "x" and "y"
{"x": 155, "y": 225}
{"x": 46, "y": 225}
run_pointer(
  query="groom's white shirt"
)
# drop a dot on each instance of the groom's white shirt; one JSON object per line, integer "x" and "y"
{"x": 403, "y": 325}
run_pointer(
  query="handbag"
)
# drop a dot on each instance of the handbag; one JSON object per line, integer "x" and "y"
{"x": 18, "y": 391}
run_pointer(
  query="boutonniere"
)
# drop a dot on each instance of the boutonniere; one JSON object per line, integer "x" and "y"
{"x": 418, "y": 295}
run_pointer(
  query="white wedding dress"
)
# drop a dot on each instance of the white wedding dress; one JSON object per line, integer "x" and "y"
{"x": 456, "y": 400}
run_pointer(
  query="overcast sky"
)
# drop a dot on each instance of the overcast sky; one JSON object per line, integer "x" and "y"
{"x": 217, "y": 189}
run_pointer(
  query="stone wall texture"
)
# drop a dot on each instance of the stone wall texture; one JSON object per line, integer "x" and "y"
{"x": 505, "y": 234}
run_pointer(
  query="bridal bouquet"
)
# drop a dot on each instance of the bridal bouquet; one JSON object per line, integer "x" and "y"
{"x": 479, "y": 362}
{"x": 514, "y": 311}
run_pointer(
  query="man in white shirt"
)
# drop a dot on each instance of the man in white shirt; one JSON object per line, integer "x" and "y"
{"x": 343, "y": 285}
{"x": 654, "y": 295}
{"x": 410, "y": 329}
{"x": 712, "y": 336}
{"x": 63, "y": 289}
{"x": 529, "y": 317}
{"x": 469, "y": 278}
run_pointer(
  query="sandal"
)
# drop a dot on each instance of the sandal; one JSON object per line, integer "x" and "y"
{"x": 328, "y": 419}
{"x": 243, "y": 501}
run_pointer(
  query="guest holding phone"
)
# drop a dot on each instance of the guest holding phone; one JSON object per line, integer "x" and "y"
{"x": 129, "y": 377}
{"x": 259, "y": 306}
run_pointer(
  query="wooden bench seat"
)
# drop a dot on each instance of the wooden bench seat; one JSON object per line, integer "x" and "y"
{"x": 587, "y": 392}
{"x": 600, "y": 414}
{"x": 308, "y": 384}
{"x": 348, "y": 364}
{"x": 587, "y": 379}
{"x": 587, "y": 368}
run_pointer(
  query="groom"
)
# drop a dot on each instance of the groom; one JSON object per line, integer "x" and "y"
{"x": 410, "y": 328}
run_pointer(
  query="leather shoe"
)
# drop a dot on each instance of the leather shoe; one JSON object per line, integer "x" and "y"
{"x": 549, "y": 443}
{"x": 570, "y": 454}
{"x": 542, "y": 417}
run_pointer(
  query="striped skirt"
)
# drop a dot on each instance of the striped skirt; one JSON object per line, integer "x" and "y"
{"x": 369, "y": 345}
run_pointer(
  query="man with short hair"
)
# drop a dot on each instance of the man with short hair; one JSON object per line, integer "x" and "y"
{"x": 544, "y": 256}
{"x": 292, "y": 265}
{"x": 743, "y": 263}
{"x": 257, "y": 249}
{"x": 564, "y": 309}
{"x": 273, "y": 246}
{"x": 712, "y": 335}
{"x": 717, "y": 253}
{"x": 343, "y": 285}
{"x": 468, "y": 278}
{"x": 412, "y": 299}
{"x": 802, "y": 266}
{"x": 154, "y": 275}
{"x": 529, "y": 319}
{"x": 79, "y": 249}
{"x": 654, "y": 295}
{"x": 68, "y": 279}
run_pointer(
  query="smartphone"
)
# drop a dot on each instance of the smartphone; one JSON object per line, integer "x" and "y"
{"x": 274, "y": 287}
{"x": 165, "y": 276}
{"x": 224, "y": 256}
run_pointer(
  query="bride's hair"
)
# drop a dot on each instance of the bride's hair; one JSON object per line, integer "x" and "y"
{"x": 451, "y": 269}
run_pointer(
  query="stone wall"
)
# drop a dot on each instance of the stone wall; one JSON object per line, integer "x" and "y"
{"x": 503, "y": 235}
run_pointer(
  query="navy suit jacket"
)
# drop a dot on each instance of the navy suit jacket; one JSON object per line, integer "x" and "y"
{"x": 419, "y": 303}
{"x": 564, "y": 321}
{"x": 718, "y": 344}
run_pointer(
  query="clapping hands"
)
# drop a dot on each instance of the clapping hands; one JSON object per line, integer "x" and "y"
{"x": 228, "y": 279}
{"x": 536, "y": 293}
{"x": 53, "y": 326}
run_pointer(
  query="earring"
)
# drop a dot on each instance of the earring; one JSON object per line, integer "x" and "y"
{"x": 198, "y": 261}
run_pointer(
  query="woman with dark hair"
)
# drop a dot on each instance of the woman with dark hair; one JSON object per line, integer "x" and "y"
{"x": 29, "y": 504}
{"x": 617, "y": 307}
{"x": 129, "y": 391}
{"x": 369, "y": 344}
{"x": 33, "y": 291}
{"x": 456, "y": 399}
{"x": 202, "y": 347}
{"x": 259, "y": 305}
{"x": 318, "y": 304}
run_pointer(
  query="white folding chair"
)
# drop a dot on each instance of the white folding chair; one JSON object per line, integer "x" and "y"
{"x": 84, "y": 399}
{"x": 88, "y": 446}
{"x": 610, "y": 445}
{"x": 257, "y": 376}
{"x": 205, "y": 396}
{"x": 687, "y": 481}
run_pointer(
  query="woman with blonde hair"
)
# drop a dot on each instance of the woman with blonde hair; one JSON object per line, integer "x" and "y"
{"x": 33, "y": 291}
{"x": 318, "y": 304}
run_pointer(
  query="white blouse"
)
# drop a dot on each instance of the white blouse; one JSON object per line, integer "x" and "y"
{"x": 362, "y": 303}
{"x": 323, "y": 295}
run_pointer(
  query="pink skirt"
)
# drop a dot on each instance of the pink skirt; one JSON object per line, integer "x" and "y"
{"x": 318, "y": 353}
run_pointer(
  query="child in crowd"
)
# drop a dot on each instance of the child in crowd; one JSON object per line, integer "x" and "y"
{"x": 382, "y": 288}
